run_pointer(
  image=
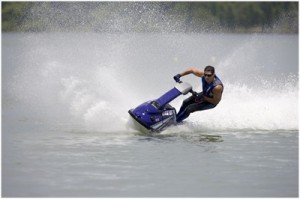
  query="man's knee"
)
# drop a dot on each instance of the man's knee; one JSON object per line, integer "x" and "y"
{"x": 191, "y": 109}
{"x": 199, "y": 107}
{"x": 188, "y": 101}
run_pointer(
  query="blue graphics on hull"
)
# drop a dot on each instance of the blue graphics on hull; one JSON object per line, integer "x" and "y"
{"x": 156, "y": 114}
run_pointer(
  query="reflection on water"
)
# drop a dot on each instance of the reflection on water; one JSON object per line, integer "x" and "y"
{"x": 190, "y": 137}
{"x": 210, "y": 138}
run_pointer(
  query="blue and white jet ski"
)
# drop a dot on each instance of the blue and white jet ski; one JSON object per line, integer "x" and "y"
{"x": 155, "y": 115}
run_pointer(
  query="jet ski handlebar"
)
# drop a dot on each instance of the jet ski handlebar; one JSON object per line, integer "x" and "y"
{"x": 194, "y": 93}
{"x": 184, "y": 88}
{"x": 187, "y": 88}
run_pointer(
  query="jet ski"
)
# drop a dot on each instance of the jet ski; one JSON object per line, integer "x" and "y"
{"x": 155, "y": 115}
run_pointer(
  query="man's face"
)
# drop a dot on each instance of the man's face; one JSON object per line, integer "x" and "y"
{"x": 209, "y": 77}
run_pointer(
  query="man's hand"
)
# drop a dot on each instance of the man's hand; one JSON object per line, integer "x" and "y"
{"x": 194, "y": 93}
{"x": 177, "y": 78}
{"x": 198, "y": 97}
{"x": 206, "y": 98}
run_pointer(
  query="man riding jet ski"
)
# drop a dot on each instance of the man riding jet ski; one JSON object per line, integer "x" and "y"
{"x": 210, "y": 96}
{"x": 154, "y": 115}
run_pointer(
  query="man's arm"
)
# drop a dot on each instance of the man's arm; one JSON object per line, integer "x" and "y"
{"x": 217, "y": 91}
{"x": 194, "y": 71}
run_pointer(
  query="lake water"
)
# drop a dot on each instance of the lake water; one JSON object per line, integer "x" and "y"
{"x": 66, "y": 131}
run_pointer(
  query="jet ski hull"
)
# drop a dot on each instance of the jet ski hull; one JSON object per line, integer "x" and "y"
{"x": 155, "y": 115}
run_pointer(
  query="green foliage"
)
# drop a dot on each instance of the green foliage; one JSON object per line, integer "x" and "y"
{"x": 13, "y": 14}
{"x": 150, "y": 16}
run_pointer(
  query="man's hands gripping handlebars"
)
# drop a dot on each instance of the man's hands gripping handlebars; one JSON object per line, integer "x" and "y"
{"x": 177, "y": 78}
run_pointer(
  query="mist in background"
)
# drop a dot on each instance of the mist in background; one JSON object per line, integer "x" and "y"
{"x": 80, "y": 58}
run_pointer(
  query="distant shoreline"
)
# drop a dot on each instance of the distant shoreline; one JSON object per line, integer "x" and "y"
{"x": 152, "y": 17}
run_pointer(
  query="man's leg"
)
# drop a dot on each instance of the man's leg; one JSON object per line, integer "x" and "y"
{"x": 192, "y": 108}
{"x": 185, "y": 103}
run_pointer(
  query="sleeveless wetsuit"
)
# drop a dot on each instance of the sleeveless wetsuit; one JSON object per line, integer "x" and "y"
{"x": 207, "y": 88}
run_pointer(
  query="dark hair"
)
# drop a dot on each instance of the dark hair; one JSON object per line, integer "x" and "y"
{"x": 210, "y": 68}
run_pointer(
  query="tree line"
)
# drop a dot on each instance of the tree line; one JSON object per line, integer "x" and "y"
{"x": 150, "y": 16}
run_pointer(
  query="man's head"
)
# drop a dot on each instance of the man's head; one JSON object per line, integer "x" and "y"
{"x": 210, "y": 69}
{"x": 209, "y": 73}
